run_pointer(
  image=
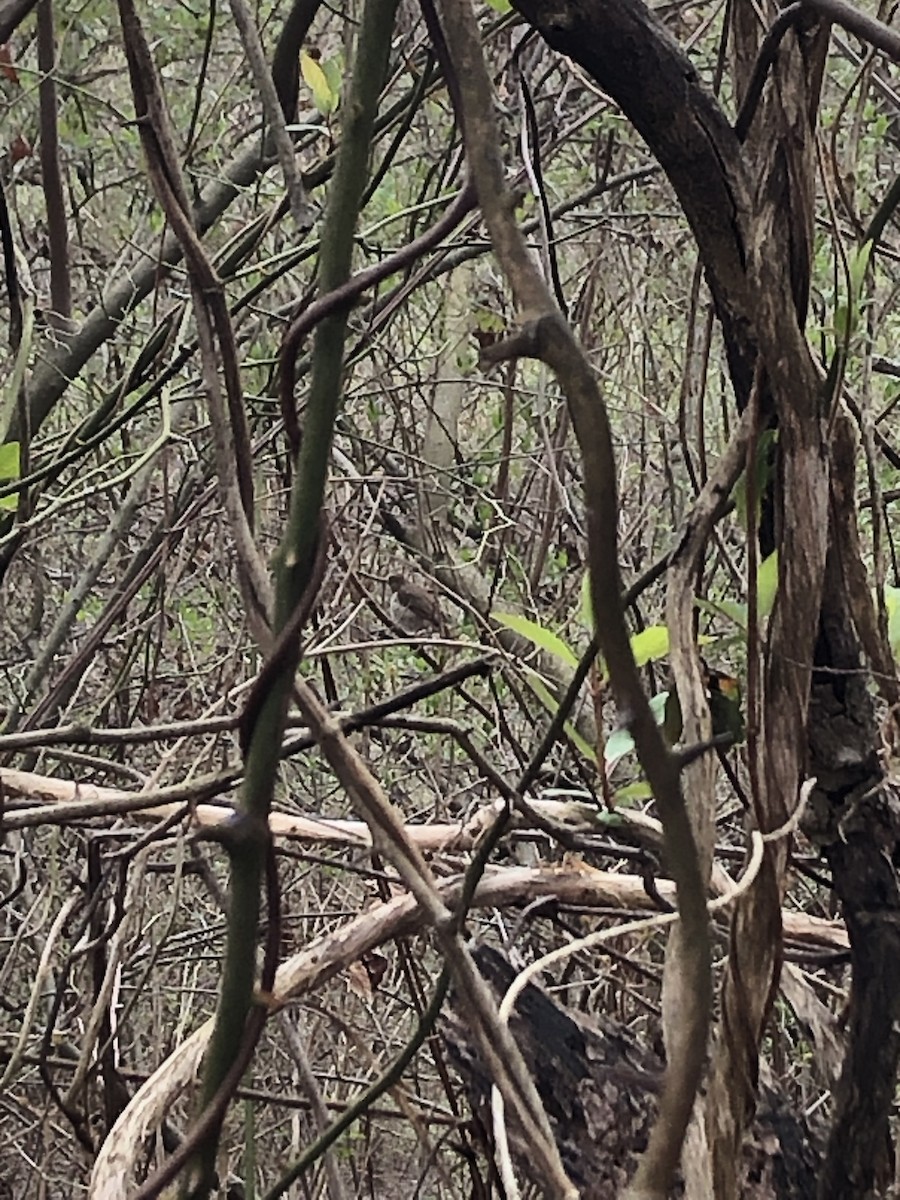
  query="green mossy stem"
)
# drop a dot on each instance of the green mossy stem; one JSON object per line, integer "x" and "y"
{"x": 295, "y": 561}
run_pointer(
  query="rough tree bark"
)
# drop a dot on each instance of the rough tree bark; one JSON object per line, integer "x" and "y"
{"x": 750, "y": 208}
{"x": 854, "y": 817}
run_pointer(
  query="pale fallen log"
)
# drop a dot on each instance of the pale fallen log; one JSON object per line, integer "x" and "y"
{"x": 61, "y": 801}
{"x": 581, "y": 884}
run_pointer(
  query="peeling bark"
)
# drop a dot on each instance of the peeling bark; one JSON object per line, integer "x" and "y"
{"x": 855, "y": 818}
{"x": 750, "y": 210}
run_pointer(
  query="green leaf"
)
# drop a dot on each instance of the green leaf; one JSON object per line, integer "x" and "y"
{"x": 551, "y": 704}
{"x": 603, "y": 817}
{"x": 585, "y": 604}
{"x": 858, "y": 265}
{"x": 736, "y": 610}
{"x": 316, "y": 80}
{"x": 618, "y": 744}
{"x": 733, "y": 610}
{"x": 763, "y": 473}
{"x": 633, "y": 793}
{"x": 767, "y": 585}
{"x": 335, "y": 76}
{"x": 9, "y": 469}
{"x": 499, "y": 6}
{"x": 9, "y": 460}
{"x": 544, "y": 639}
{"x": 650, "y": 644}
{"x": 892, "y": 604}
{"x": 841, "y": 323}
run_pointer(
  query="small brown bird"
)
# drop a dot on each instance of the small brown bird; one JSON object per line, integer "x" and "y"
{"x": 413, "y": 607}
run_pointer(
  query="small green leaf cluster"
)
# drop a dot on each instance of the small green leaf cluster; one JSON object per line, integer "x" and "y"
{"x": 650, "y": 645}
{"x": 323, "y": 78}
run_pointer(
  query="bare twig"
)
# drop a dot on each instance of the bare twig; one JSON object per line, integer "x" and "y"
{"x": 301, "y": 209}
{"x": 51, "y": 176}
{"x": 286, "y": 59}
{"x": 11, "y": 277}
{"x": 854, "y": 20}
{"x": 309, "y": 1084}
{"x": 767, "y": 52}
{"x": 12, "y": 14}
{"x": 228, "y": 420}
{"x": 44, "y": 970}
{"x": 340, "y": 298}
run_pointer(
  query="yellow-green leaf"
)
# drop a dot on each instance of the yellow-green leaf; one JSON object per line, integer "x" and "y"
{"x": 617, "y": 745}
{"x": 9, "y": 469}
{"x": 585, "y": 604}
{"x": 892, "y": 604}
{"x": 767, "y": 585}
{"x": 551, "y": 704}
{"x": 334, "y": 75}
{"x": 732, "y": 610}
{"x": 633, "y": 793}
{"x": 9, "y": 460}
{"x": 544, "y": 639}
{"x": 316, "y": 80}
{"x": 650, "y": 644}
